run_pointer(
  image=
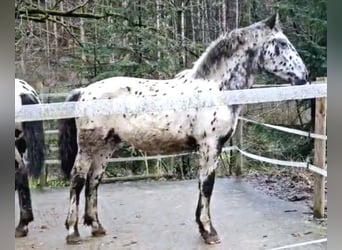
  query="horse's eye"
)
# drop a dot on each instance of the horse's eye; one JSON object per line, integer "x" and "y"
{"x": 283, "y": 44}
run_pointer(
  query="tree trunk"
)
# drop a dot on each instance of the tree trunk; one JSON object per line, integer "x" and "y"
{"x": 180, "y": 31}
{"x": 232, "y": 12}
{"x": 158, "y": 28}
{"x": 224, "y": 15}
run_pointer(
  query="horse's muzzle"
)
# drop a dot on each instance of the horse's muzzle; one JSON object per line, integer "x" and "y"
{"x": 301, "y": 82}
{"x": 304, "y": 80}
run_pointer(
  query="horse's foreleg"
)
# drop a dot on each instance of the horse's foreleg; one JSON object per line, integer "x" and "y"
{"x": 94, "y": 178}
{"x": 78, "y": 177}
{"x": 24, "y": 196}
{"x": 208, "y": 164}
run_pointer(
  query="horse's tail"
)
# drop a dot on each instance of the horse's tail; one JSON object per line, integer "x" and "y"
{"x": 34, "y": 139}
{"x": 67, "y": 140}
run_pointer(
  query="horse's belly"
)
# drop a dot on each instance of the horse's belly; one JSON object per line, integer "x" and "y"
{"x": 154, "y": 135}
{"x": 158, "y": 141}
{"x": 167, "y": 131}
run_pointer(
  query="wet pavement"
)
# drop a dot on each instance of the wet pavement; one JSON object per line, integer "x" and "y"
{"x": 160, "y": 215}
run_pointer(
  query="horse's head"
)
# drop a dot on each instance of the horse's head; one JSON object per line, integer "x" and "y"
{"x": 277, "y": 54}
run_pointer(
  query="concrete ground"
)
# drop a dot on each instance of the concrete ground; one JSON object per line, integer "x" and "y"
{"x": 160, "y": 215}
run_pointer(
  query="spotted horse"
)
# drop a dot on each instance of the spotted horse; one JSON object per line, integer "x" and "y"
{"x": 229, "y": 63}
{"x": 29, "y": 140}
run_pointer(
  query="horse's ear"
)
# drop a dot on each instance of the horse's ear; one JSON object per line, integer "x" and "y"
{"x": 273, "y": 21}
{"x": 239, "y": 36}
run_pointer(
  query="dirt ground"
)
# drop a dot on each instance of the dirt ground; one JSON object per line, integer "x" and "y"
{"x": 293, "y": 185}
{"x": 160, "y": 215}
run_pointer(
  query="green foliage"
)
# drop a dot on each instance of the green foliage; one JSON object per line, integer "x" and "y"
{"x": 276, "y": 144}
{"x": 306, "y": 26}
{"x": 53, "y": 183}
{"x": 128, "y": 46}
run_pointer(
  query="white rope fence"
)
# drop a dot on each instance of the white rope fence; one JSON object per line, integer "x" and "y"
{"x": 288, "y": 130}
{"x": 283, "y": 163}
{"x": 301, "y": 244}
{"x": 225, "y": 149}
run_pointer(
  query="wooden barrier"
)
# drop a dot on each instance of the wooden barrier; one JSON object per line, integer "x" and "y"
{"x": 320, "y": 157}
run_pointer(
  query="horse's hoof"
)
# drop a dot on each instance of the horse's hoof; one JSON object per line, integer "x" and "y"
{"x": 73, "y": 239}
{"x": 212, "y": 239}
{"x": 20, "y": 232}
{"x": 98, "y": 232}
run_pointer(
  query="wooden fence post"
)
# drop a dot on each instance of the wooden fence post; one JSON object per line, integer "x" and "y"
{"x": 43, "y": 175}
{"x": 320, "y": 157}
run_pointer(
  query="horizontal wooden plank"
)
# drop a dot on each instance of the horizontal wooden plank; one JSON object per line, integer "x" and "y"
{"x": 135, "y": 105}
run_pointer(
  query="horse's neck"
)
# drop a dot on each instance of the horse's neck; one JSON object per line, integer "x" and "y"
{"x": 235, "y": 72}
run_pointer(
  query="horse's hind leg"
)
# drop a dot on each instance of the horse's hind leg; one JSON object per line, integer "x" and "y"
{"x": 94, "y": 178}
{"x": 78, "y": 177}
{"x": 24, "y": 196}
{"x": 208, "y": 162}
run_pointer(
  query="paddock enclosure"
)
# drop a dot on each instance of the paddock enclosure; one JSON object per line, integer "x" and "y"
{"x": 268, "y": 212}
{"x": 173, "y": 124}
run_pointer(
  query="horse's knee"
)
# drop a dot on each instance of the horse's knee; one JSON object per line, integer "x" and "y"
{"x": 94, "y": 179}
{"x": 82, "y": 162}
{"x": 78, "y": 181}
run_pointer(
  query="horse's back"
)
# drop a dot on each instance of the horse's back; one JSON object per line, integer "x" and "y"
{"x": 22, "y": 87}
{"x": 24, "y": 94}
{"x": 141, "y": 88}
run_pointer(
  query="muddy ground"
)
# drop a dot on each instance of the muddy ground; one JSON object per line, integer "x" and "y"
{"x": 289, "y": 184}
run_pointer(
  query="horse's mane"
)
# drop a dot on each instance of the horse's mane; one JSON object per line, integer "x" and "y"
{"x": 223, "y": 47}
{"x": 227, "y": 45}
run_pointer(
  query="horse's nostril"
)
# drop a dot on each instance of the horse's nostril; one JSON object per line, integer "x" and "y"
{"x": 308, "y": 79}
{"x": 301, "y": 82}
{"x": 306, "y": 75}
